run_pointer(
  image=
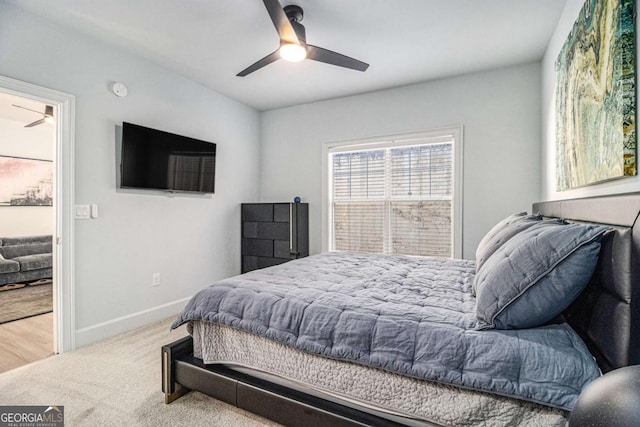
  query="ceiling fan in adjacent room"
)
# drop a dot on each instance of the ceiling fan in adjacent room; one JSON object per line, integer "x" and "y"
{"x": 293, "y": 42}
{"x": 47, "y": 115}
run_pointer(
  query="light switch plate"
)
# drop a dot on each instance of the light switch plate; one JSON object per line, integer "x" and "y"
{"x": 83, "y": 212}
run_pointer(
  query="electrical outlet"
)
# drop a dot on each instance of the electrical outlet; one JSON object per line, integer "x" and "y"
{"x": 155, "y": 279}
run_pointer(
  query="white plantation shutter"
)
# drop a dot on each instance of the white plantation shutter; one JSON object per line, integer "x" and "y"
{"x": 395, "y": 198}
{"x": 358, "y": 194}
{"x": 421, "y": 194}
{"x": 360, "y": 226}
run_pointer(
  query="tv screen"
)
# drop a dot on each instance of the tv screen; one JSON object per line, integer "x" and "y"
{"x": 157, "y": 160}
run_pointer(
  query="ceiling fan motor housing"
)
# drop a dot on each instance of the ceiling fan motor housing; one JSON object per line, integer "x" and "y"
{"x": 294, "y": 13}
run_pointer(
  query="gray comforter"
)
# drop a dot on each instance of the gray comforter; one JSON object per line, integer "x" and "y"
{"x": 409, "y": 315}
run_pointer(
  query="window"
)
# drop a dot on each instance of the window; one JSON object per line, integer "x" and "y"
{"x": 399, "y": 196}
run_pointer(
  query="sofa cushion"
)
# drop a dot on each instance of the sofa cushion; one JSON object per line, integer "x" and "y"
{"x": 34, "y": 262}
{"x": 9, "y": 266}
{"x": 25, "y": 240}
{"x": 15, "y": 251}
{"x": 26, "y": 276}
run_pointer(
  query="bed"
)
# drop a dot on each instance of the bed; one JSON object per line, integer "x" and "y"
{"x": 422, "y": 341}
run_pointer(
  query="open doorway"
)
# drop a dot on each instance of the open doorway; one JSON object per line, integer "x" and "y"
{"x": 27, "y": 222}
{"x": 36, "y": 138}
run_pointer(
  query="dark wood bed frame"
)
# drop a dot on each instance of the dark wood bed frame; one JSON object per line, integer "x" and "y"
{"x": 606, "y": 315}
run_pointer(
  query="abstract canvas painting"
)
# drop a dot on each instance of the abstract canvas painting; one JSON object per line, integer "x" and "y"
{"x": 26, "y": 182}
{"x": 596, "y": 96}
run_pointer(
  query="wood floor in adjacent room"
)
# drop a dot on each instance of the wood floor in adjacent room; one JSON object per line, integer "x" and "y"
{"x": 25, "y": 341}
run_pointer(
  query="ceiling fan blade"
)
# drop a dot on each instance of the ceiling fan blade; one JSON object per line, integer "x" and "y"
{"x": 36, "y": 123}
{"x": 330, "y": 57}
{"x": 281, "y": 22}
{"x": 272, "y": 57}
{"x": 25, "y": 108}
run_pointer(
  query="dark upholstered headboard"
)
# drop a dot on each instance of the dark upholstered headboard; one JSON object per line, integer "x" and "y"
{"x": 607, "y": 313}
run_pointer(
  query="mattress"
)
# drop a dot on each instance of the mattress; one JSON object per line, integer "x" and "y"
{"x": 410, "y": 399}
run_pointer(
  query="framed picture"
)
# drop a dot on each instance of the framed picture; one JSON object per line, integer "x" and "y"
{"x": 596, "y": 96}
{"x": 26, "y": 182}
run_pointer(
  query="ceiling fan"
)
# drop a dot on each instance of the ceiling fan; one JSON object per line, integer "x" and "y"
{"x": 47, "y": 116}
{"x": 293, "y": 42}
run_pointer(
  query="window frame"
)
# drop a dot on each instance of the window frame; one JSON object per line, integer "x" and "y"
{"x": 444, "y": 134}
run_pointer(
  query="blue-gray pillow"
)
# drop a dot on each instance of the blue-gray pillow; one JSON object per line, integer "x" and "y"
{"x": 536, "y": 274}
{"x": 501, "y": 232}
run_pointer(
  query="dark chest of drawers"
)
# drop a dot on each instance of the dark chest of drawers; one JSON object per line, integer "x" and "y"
{"x": 273, "y": 233}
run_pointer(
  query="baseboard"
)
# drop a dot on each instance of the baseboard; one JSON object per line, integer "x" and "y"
{"x": 123, "y": 324}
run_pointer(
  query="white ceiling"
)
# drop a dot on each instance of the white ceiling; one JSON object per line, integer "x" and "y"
{"x": 404, "y": 41}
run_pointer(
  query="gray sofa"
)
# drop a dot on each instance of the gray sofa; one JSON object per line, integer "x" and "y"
{"x": 24, "y": 259}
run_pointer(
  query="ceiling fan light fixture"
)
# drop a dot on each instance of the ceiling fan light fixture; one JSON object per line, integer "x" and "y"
{"x": 48, "y": 114}
{"x": 293, "y": 42}
{"x": 292, "y": 52}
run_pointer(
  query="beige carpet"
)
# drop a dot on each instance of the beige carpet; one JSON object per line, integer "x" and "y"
{"x": 117, "y": 382}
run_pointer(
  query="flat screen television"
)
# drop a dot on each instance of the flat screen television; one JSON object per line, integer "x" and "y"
{"x": 157, "y": 160}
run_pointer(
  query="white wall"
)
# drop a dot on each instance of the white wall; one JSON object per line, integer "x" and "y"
{"x": 500, "y": 112}
{"x": 191, "y": 241}
{"x": 33, "y": 143}
{"x": 565, "y": 24}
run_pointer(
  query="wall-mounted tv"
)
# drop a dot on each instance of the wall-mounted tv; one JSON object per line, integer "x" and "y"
{"x": 157, "y": 160}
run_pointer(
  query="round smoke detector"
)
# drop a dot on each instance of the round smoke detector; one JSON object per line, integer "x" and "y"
{"x": 119, "y": 89}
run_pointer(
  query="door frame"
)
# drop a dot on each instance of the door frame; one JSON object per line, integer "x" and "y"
{"x": 63, "y": 247}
